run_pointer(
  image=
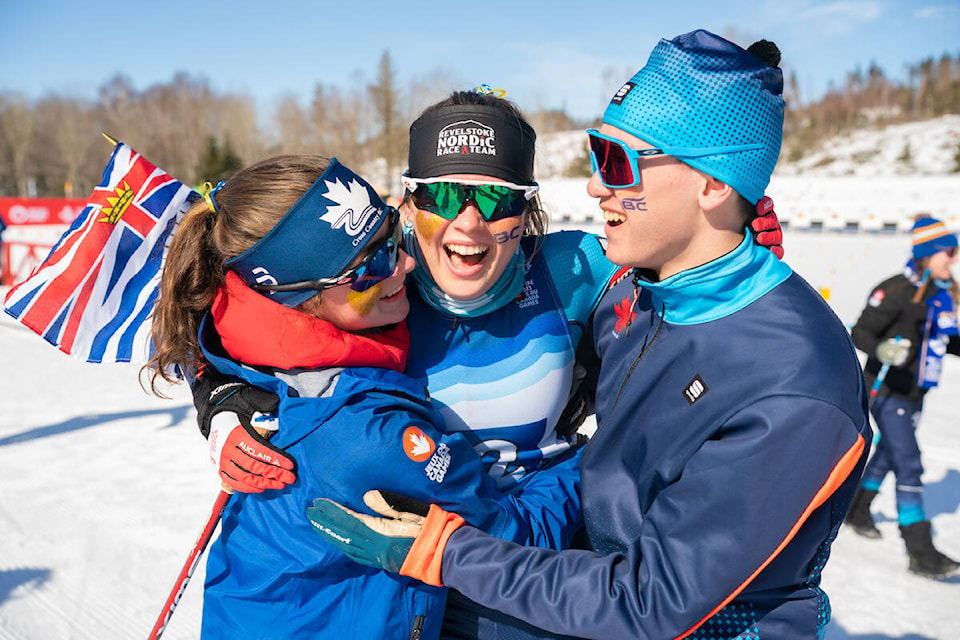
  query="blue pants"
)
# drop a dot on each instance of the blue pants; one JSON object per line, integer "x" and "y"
{"x": 899, "y": 452}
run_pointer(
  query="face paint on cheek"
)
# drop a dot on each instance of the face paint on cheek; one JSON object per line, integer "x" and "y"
{"x": 428, "y": 225}
{"x": 506, "y": 230}
{"x": 364, "y": 302}
{"x": 634, "y": 204}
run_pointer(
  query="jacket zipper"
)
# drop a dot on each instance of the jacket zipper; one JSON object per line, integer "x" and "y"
{"x": 417, "y": 628}
{"x": 623, "y": 383}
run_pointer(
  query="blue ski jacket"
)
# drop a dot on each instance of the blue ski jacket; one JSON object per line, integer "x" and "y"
{"x": 353, "y": 429}
{"x": 732, "y": 432}
{"x": 503, "y": 378}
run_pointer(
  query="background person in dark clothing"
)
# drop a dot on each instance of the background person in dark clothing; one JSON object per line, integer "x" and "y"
{"x": 907, "y": 326}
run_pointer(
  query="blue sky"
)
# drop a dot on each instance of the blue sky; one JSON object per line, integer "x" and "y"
{"x": 546, "y": 54}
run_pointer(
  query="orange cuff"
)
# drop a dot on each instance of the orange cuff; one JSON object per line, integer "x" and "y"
{"x": 426, "y": 555}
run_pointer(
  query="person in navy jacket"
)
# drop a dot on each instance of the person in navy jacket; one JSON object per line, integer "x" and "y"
{"x": 731, "y": 408}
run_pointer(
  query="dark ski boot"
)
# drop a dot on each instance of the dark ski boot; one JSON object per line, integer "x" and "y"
{"x": 858, "y": 517}
{"x": 925, "y": 560}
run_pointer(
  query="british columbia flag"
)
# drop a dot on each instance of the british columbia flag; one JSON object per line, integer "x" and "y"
{"x": 93, "y": 295}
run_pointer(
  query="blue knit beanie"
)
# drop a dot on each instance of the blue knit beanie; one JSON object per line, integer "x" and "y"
{"x": 699, "y": 90}
{"x": 931, "y": 236}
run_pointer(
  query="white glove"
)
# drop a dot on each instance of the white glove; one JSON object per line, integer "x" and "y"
{"x": 894, "y": 351}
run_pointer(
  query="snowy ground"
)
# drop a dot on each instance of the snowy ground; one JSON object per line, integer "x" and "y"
{"x": 103, "y": 489}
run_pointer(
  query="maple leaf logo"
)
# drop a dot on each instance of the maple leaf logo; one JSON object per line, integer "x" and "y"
{"x": 417, "y": 445}
{"x": 352, "y": 209}
{"x": 625, "y": 314}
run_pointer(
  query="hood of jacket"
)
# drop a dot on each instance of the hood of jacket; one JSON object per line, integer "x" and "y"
{"x": 259, "y": 332}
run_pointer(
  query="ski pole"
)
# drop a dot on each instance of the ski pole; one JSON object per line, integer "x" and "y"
{"x": 881, "y": 375}
{"x": 191, "y": 564}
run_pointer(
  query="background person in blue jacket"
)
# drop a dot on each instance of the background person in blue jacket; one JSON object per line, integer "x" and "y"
{"x": 908, "y": 325}
{"x": 290, "y": 277}
{"x": 731, "y": 409}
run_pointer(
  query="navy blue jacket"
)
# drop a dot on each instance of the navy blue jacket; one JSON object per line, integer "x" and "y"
{"x": 732, "y": 432}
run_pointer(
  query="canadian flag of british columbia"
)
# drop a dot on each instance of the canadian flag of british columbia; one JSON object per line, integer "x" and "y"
{"x": 93, "y": 294}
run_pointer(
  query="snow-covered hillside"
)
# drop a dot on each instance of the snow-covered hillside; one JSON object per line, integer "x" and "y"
{"x": 924, "y": 148}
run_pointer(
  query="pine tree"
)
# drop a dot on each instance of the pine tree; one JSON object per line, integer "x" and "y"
{"x": 216, "y": 165}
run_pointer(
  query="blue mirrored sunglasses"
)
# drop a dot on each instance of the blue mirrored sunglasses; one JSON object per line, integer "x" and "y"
{"x": 379, "y": 264}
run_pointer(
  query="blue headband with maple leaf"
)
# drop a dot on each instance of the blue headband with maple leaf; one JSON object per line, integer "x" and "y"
{"x": 321, "y": 234}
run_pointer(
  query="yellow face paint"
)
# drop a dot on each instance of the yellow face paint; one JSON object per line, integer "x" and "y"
{"x": 363, "y": 302}
{"x": 428, "y": 225}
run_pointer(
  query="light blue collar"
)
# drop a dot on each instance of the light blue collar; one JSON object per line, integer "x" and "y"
{"x": 720, "y": 287}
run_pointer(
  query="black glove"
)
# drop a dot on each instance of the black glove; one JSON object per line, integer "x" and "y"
{"x": 214, "y": 392}
{"x": 579, "y": 406}
{"x": 583, "y": 387}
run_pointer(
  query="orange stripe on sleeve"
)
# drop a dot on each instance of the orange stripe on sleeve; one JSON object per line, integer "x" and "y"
{"x": 836, "y": 478}
{"x": 423, "y": 562}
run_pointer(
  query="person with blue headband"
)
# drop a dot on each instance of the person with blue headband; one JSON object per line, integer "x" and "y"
{"x": 906, "y": 328}
{"x": 495, "y": 321}
{"x": 290, "y": 277}
{"x": 731, "y": 408}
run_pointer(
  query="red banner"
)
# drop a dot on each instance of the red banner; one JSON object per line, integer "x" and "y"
{"x": 21, "y": 211}
{"x": 17, "y": 260}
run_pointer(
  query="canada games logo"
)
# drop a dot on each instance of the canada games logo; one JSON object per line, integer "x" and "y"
{"x": 417, "y": 445}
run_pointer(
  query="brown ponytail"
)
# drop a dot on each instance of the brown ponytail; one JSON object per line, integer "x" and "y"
{"x": 248, "y": 206}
